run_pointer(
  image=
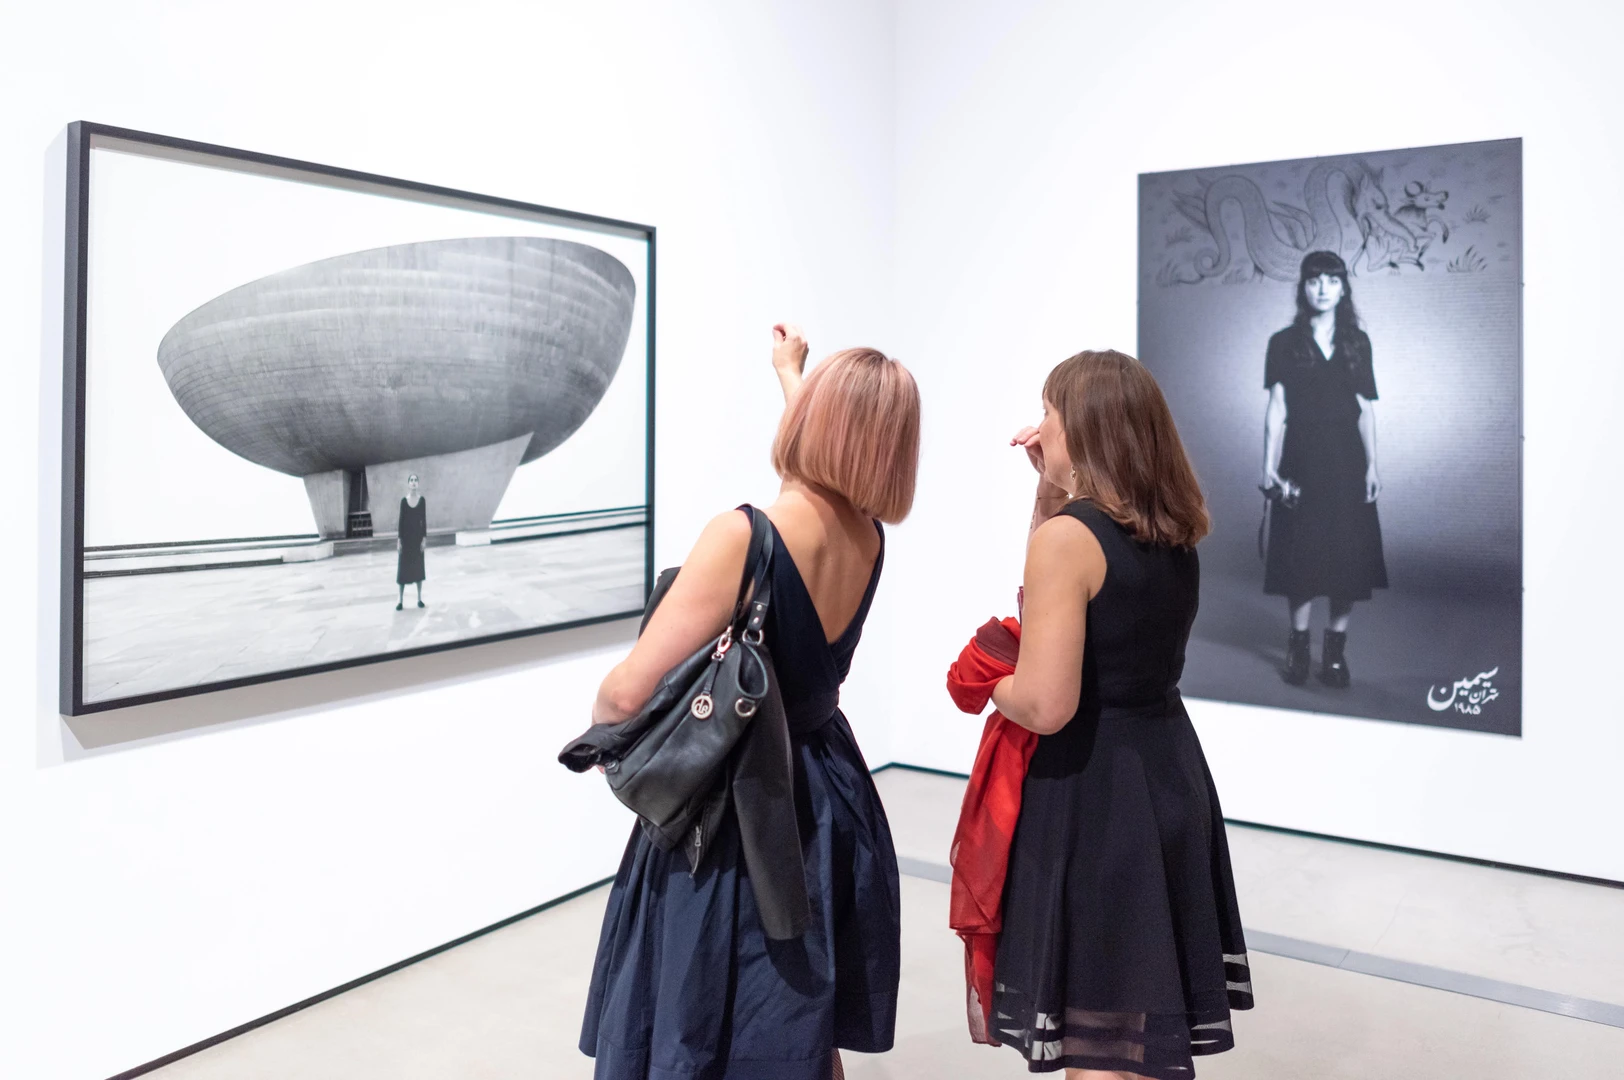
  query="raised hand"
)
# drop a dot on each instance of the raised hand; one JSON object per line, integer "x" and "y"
{"x": 789, "y": 348}
{"x": 789, "y": 356}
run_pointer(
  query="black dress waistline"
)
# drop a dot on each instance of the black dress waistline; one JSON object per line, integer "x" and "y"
{"x": 811, "y": 715}
{"x": 1170, "y": 706}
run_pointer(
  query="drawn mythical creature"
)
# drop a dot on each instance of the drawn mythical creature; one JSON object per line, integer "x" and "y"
{"x": 1422, "y": 211}
{"x": 1347, "y": 212}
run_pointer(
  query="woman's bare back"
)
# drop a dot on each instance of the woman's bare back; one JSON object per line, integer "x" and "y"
{"x": 834, "y": 548}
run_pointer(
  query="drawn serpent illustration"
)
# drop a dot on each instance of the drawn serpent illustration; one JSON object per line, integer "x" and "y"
{"x": 1347, "y": 213}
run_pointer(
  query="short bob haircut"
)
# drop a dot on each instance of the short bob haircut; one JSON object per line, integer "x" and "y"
{"x": 1126, "y": 449}
{"x": 854, "y": 428}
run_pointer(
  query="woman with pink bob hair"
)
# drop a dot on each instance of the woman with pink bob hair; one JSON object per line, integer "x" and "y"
{"x": 687, "y": 983}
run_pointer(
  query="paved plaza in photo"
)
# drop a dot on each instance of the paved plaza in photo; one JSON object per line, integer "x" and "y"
{"x": 154, "y": 632}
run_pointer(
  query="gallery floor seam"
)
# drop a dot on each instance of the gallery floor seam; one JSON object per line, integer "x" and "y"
{"x": 1382, "y": 967}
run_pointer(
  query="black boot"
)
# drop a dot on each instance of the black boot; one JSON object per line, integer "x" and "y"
{"x": 1333, "y": 663}
{"x": 1297, "y": 659}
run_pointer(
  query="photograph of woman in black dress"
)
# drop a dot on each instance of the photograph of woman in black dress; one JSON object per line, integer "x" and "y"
{"x": 411, "y": 541}
{"x": 1319, "y": 465}
{"x": 1416, "y": 551}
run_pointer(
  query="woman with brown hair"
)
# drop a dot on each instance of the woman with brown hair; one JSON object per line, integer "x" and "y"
{"x": 1121, "y": 953}
{"x": 687, "y": 982}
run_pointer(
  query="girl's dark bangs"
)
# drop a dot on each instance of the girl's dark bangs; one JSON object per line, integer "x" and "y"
{"x": 1324, "y": 262}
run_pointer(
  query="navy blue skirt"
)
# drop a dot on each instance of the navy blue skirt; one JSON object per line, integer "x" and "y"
{"x": 687, "y": 986}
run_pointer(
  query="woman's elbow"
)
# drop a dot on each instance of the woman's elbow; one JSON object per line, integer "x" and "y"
{"x": 625, "y": 703}
{"x": 1047, "y": 719}
{"x": 619, "y": 698}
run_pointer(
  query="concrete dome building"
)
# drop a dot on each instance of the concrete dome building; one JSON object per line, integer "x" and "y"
{"x": 456, "y": 360}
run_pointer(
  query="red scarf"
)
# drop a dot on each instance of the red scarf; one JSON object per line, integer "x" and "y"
{"x": 992, "y": 805}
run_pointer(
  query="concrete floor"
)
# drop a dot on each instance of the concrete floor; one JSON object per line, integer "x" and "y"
{"x": 156, "y": 632}
{"x": 508, "y": 1005}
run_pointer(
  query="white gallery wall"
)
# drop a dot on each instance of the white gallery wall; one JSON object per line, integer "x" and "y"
{"x": 952, "y": 182}
{"x": 1021, "y": 129}
{"x": 266, "y": 844}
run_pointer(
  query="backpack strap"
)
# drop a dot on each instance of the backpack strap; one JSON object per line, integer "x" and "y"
{"x": 755, "y": 587}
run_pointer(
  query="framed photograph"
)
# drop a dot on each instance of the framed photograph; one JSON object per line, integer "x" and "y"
{"x": 317, "y": 418}
{"x": 1340, "y": 339}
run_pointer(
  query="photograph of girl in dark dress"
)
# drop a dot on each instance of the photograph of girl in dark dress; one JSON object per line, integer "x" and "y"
{"x": 411, "y": 541}
{"x": 1319, "y": 468}
{"x": 1398, "y": 558}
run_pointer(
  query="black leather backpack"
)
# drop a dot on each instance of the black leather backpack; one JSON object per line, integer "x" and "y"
{"x": 667, "y": 763}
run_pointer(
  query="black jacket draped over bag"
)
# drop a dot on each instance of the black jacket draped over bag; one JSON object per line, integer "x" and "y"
{"x": 713, "y": 737}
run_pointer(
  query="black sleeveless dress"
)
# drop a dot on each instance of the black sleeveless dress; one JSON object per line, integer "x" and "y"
{"x": 1122, "y": 946}
{"x": 1330, "y": 543}
{"x": 686, "y": 985}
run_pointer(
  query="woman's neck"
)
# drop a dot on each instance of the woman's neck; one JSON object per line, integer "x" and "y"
{"x": 1324, "y": 324}
{"x": 821, "y": 499}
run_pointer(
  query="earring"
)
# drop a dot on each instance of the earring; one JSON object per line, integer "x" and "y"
{"x": 1072, "y": 494}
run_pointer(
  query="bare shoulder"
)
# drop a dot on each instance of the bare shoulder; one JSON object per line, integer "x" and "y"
{"x": 1064, "y": 548}
{"x": 731, "y": 527}
{"x": 1065, "y": 536}
{"x": 723, "y": 542}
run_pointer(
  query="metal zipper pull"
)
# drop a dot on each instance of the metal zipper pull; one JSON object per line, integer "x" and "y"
{"x": 703, "y": 704}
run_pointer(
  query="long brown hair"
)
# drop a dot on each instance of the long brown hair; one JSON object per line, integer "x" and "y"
{"x": 1126, "y": 449}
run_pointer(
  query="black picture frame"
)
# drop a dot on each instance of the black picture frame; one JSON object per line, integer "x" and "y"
{"x": 83, "y": 136}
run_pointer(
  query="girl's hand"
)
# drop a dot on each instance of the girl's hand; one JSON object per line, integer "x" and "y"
{"x": 1271, "y": 479}
{"x": 789, "y": 349}
{"x": 1373, "y": 485}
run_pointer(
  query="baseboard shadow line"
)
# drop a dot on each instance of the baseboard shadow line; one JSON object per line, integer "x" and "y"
{"x": 269, "y": 1018}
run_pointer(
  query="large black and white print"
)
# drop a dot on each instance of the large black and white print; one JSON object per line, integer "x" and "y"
{"x": 325, "y": 423}
{"x": 1340, "y": 339}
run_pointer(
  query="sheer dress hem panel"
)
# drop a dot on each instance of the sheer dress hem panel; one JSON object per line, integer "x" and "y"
{"x": 1158, "y": 1045}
